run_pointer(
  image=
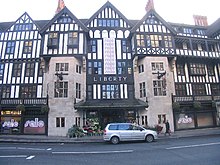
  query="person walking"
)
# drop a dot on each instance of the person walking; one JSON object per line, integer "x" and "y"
{"x": 167, "y": 124}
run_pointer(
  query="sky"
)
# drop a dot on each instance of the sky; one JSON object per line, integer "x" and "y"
{"x": 175, "y": 11}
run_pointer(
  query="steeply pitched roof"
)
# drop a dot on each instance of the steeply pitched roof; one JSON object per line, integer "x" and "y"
{"x": 152, "y": 11}
{"x": 108, "y": 5}
{"x": 5, "y": 25}
{"x": 214, "y": 28}
{"x": 64, "y": 11}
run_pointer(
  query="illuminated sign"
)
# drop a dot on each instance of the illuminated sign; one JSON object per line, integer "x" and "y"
{"x": 10, "y": 124}
{"x": 185, "y": 120}
{"x": 34, "y": 123}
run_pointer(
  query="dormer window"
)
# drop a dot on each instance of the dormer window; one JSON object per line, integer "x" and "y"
{"x": 53, "y": 40}
{"x": 73, "y": 39}
{"x": 64, "y": 20}
{"x": 108, "y": 22}
{"x": 187, "y": 30}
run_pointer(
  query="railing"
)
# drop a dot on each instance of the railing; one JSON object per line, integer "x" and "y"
{"x": 26, "y": 101}
{"x": 208, "y": 98}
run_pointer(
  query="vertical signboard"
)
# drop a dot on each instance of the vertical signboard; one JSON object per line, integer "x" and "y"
{"x": 109, "y": 56}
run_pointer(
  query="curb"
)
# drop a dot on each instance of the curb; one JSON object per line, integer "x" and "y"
{"x": 23, "y": 140}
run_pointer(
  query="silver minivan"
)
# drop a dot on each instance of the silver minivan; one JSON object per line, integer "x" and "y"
{"x": 116, "y": 132}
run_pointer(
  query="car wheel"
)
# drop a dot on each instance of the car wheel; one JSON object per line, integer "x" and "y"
{"x": 149, "y": 138}
{"x": 114, "y": 140}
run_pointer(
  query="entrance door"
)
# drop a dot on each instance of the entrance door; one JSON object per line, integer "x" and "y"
{"x": 111, "y": 116}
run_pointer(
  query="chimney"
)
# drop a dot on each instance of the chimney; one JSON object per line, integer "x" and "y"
{"x": 60, "y": 6}
{"x": 200, "y": 20}
{"x": 150, "y": 5}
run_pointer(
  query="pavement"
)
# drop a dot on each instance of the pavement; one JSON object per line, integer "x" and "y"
{"x": 96, "y": 139}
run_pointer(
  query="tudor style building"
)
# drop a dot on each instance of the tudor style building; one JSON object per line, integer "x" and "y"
{"x": 65, "y": 71}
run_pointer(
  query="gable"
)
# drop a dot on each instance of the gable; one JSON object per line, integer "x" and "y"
{"x": 108, "y": 16}
{"x": 67, "y": 18}
{"x": 152, "y": 22}
{"x": 24, "y": 23}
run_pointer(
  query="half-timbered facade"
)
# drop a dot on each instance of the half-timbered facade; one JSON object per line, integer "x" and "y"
{"x": 21, "y": 79}
{"x": 89, "y": 72}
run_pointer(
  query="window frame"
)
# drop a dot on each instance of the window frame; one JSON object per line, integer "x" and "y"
{"x": 61, "y": 89}
{"x": 159, "y": 88}
{"x": 53, "y": 40}
{"x": 142, "y": 88}
{"x": 10, "y": 47}
{"x": 73, "y": 39}
{"x": 27, "y": 48}
{"x": 60, "y": 122}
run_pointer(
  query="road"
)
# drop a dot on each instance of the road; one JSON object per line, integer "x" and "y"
{"x": 195, "y": 150}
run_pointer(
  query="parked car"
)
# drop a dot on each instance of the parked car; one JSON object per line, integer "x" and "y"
{"x": 116, "y": 132}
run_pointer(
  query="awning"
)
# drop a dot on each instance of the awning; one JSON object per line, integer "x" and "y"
{"x": 111, "y": 104}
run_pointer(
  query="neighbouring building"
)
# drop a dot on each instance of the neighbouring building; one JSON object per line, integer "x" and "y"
{"x": 88, "y": 72}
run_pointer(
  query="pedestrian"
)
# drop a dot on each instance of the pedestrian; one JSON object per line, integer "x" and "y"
{"x": 167, "y": 124}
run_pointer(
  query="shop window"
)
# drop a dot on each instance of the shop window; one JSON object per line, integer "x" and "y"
{"x": 205, "y": 119}
{"x": 10, "y": 125}
{"x": 34, "y": 125}
{"x": 184, "y": 121}
{"x": 60, "y": 122}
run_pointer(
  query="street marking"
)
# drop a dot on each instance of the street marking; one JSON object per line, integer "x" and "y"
{"x": 13, "y": 156}
{"x": 7, "y": 148}
{"x": 191, "y": 146}
{"x": 30, "y": 157}
{"x": 95, "y": 152}
{"x": 37, "y": 149}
